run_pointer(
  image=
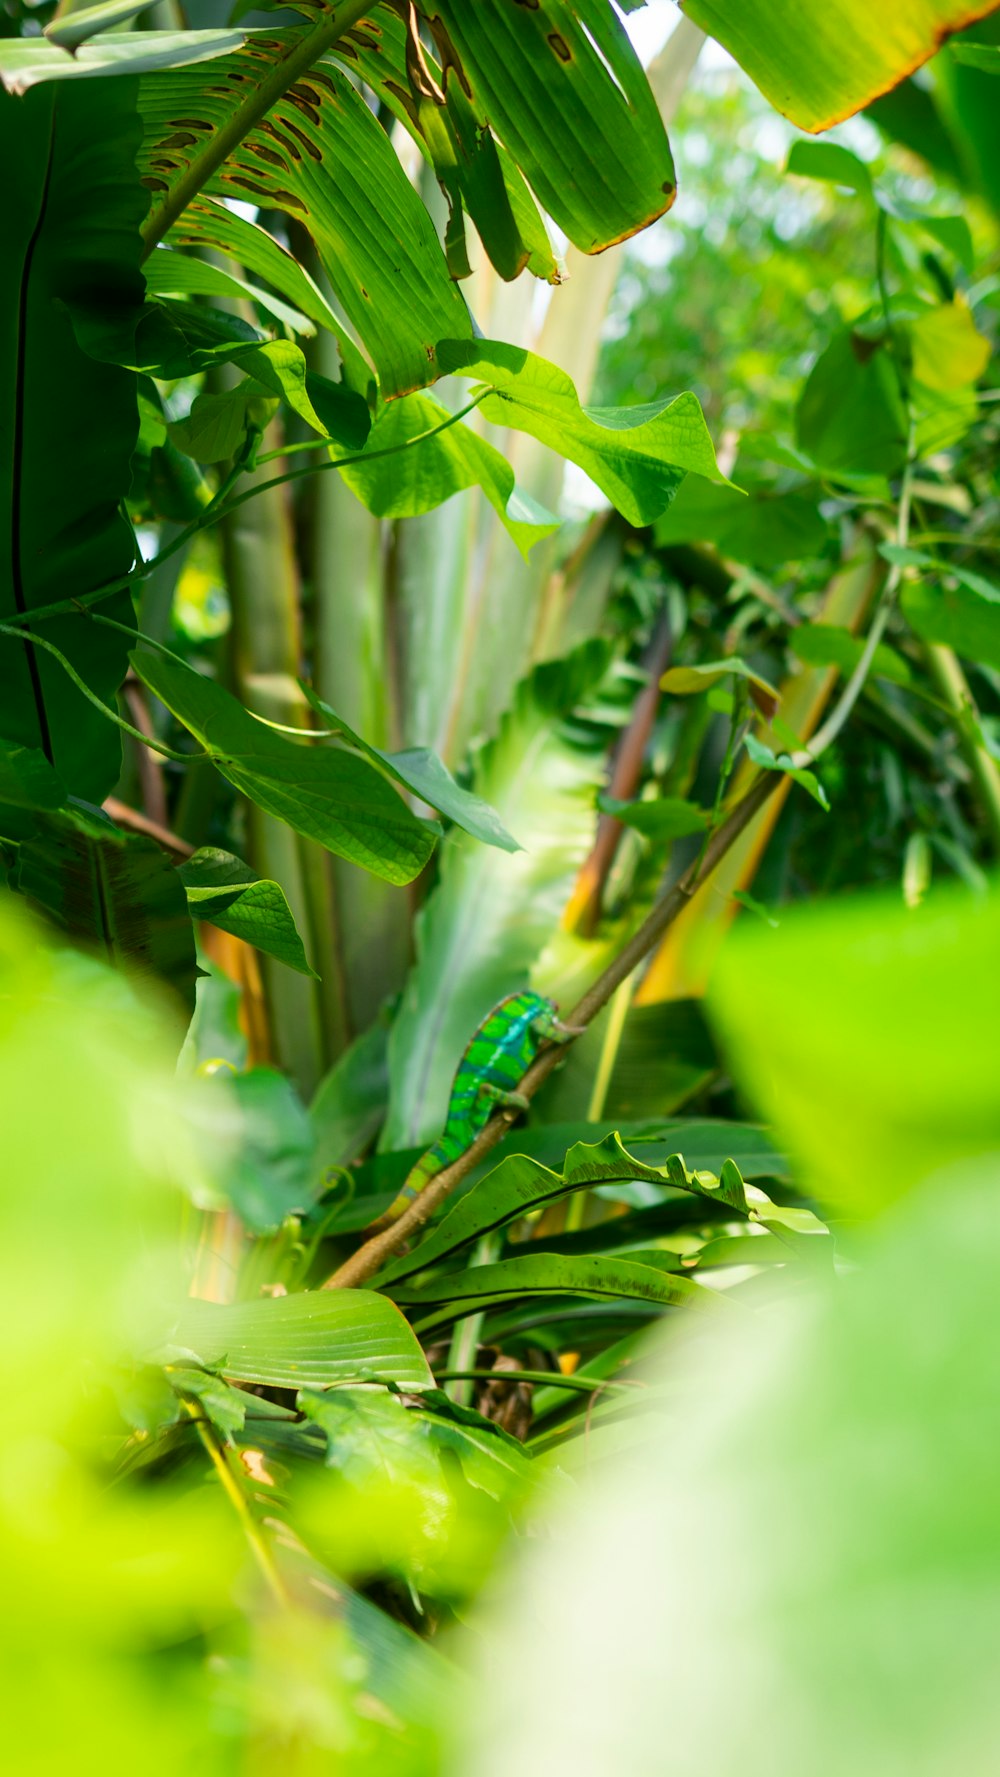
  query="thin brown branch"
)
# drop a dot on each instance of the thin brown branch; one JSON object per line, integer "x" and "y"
{"x": 369, "y": 1258}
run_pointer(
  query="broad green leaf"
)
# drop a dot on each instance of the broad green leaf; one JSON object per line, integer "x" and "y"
{"x": 322, "y": 156}
{"x": 72, "y": 224}
{"x": 948, "y": 349}
{"x": 170, "y": 273}
{"x": 216, "y": 426}
{"x": 824, "y": 644}
{"x": 519, "y": 1186}
{"x": 828, "y": 160}
{"x": 955, "y": 617}
{"x": 484, "y": 925}
{"x": 850, "y": 414}
{"x": 420, "y": 478}
{"x": 844, "y": 61}
{"x": 566, "y": 73}
{"x": 349, "y": 1103}
{"x": 663, "y": 818}
{"x": 304, "y": 1341}
{"x": 638, "y": 456}
{"x": 541, "y": 1274}
{"x": 685, "y": 681}
{"x": 322, "y": 792}
{"x": 420, "y": 770}
{"x": 27, "y": 779}
{"x": 30, "y": 61}
{"x": 766, "y": 530}
{"x": 834, "y": 1010}
{"x": 115, "y": 893}
{"x": 226, "y": 892}
{"x": 268, "y": 1167}
{"x": 769, "y": 761}
{"x": 214, "y": 1033}
{"x": 919, "y": 558}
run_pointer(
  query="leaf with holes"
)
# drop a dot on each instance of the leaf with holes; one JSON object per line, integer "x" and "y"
{"x": 321, "y": 156}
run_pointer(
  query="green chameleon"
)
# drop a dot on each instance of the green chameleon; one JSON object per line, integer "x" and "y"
{"x": 496, "y": 1059}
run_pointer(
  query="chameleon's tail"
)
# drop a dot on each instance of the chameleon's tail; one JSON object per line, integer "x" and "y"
{"x": 417, "y": 1177}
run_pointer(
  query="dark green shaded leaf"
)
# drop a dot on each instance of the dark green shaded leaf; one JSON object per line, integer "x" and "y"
{"x": 323, "y": 792}
{"x": 226, "y": 892}
{"x": 766, "y": 529}
{"x": 828, "y": 160}
{"x": 850, "y": 414}
{"x": 27, "y": 779}
{"x": 823, "y": 644}
{"x": 116, "y": 893}
{"x": 268, "y": 1166}
{"x": 662, "y": 817}
{"x": 72, "y": 227}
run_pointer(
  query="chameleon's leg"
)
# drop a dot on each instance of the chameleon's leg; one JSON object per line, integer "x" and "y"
{"x": 513, "y": 1100}
{"x": 552, "y": 1029}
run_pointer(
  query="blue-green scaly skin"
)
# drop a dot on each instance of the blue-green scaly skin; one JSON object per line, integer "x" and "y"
{"x": 496, "y": 1060}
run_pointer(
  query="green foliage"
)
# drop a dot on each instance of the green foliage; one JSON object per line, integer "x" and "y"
{"x": 244, "y": 1511}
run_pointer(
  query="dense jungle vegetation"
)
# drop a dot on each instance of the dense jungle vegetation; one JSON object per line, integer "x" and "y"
{"x": 500, "y": 511}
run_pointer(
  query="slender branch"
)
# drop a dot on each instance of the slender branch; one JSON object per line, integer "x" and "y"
{"x": 827, "y": 734}
{"x": 256, "y": 105}
{"x": 375, "y": 1252}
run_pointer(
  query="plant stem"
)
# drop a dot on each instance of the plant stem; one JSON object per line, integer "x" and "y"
{"x": 256, "y": 105}
{"x": 827, "y": 734}
{"x": 950, "y": 680}
{"x": 237, "y": 1500}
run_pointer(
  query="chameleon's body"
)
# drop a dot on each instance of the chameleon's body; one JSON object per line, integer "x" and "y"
{"x": 488, "y": 1075}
